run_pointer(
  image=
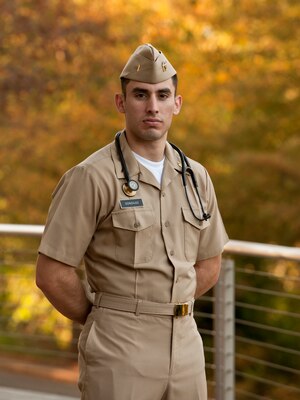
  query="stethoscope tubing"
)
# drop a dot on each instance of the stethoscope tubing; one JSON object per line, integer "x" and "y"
{"x": 131, "y": 186}
{"x": 186, "y": 168}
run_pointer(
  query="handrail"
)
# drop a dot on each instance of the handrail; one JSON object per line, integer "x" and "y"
{"x": 232, "y": 247}
{"x": 262, "y": 250}
{"x": 21, "y": 230}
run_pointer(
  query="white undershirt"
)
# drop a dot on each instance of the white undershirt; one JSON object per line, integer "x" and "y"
{"x": 156, "y": 167}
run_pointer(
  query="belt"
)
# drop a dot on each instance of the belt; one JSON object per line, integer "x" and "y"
{"x": 138, "y": 306}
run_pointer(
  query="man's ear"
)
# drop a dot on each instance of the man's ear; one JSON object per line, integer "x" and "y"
{"x": 178, "y": 104}
{"x": 120, "y": 102}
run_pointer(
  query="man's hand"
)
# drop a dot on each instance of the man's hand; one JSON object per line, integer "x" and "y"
{"x": 62, "y": 286}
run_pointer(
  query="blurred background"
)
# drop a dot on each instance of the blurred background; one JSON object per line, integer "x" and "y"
{"x": 238, "y": 63}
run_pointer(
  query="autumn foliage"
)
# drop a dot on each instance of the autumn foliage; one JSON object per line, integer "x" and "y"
{"x": 239, "y": 73}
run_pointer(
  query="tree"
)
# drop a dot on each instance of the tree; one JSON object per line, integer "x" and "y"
{"x": 239, "y": 76}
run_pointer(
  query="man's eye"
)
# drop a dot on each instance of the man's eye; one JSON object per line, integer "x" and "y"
{"x": 163, "y": 96}
{"x": 140, "y": 95}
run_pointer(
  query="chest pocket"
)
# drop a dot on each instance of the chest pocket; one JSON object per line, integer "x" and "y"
{"x": 192, "y": 233}
{"x": 133, "y": 232}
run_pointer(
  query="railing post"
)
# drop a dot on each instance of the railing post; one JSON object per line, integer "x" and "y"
{"x": 224, "y": 333}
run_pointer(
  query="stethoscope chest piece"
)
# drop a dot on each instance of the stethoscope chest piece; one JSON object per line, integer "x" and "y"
{"x": 130, "y": 188}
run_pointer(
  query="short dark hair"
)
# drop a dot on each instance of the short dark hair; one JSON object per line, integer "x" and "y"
{"x": 124, "y": 82}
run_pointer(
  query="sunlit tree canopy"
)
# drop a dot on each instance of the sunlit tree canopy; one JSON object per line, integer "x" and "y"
{"x": 238, "y": 64}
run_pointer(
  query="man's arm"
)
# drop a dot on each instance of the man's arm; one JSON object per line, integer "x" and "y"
{"x": 207, "y": 274}
{"x": 62, "y": 286}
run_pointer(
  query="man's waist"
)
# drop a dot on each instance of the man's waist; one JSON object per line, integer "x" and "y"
{"x": 138, "y": 306}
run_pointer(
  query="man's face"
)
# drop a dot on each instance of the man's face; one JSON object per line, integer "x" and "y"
{"x": 148, "y": 109}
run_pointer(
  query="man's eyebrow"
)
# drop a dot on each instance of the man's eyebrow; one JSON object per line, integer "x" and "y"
{"x": 164, "y": 90}
{"x": 142, "y": 90}
{"x": 139, "y": 90}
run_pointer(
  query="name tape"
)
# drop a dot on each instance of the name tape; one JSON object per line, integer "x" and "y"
{"x": 131, "y": 203}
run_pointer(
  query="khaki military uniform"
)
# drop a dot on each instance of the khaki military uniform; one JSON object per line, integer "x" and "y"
{"x": 143, "y": 249}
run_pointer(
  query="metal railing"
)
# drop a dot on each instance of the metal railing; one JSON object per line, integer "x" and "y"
{"x": 256, "y": 299}
{"x": 249, "y": 322}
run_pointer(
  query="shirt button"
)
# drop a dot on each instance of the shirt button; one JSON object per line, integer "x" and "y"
{"x": 167, "y": 224}
{"x": 163, "y": 194}
{"x": 172, "y": 252}
{"x": 137, "y": 224}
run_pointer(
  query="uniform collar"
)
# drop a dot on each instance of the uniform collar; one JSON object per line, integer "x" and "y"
{"x": 171, "y": 168}
{"x": 172, "y": 165}
{"x": 173, "y": 157}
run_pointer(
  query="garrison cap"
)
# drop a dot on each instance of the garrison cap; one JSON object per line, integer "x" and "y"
{"x": 149, "y": 65}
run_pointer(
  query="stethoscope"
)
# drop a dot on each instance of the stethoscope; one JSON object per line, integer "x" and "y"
{"x": 130, "y": 187}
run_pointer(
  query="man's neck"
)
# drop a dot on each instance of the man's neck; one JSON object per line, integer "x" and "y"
{"x": 151, "y": 150}
{"x": 148, "y": 154}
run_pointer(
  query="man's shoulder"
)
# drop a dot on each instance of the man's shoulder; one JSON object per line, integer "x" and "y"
{"x": 95, "y": 166}
{"x": 99, "y": 157}
{"x": 197, "y": 166}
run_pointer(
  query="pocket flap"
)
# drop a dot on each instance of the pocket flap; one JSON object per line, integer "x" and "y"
{"x": 133, "y": 220}
{"x": 189, "y": 217}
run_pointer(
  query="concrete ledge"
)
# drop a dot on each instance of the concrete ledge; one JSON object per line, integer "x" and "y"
{"x": 18, "y": 394}
{"x": 27, "y": 379}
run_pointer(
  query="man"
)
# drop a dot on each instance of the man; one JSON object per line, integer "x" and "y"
{"x": 150, "y": 247}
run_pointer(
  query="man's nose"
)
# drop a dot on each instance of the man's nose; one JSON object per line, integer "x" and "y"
{"x": 152, "y": 105}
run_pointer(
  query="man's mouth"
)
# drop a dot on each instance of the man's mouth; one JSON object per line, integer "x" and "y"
{"x": 152, "y": 121}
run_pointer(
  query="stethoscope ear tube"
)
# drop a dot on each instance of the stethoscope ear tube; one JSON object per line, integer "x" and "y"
{"x": 120, "y": 153}
{"x": 186, "y": 167}
{"x": 131, "y": 186}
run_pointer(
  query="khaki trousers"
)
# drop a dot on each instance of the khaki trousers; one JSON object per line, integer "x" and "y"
{"x": 124, "y": 356}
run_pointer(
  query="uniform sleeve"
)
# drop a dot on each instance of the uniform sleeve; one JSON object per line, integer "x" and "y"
{"x": 72, "y": 217}
{"x": 214, "y": 237}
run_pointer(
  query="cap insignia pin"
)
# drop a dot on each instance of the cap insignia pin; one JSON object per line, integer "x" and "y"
{"x": 164, "y": 66}
{"x": 138, "y": 67}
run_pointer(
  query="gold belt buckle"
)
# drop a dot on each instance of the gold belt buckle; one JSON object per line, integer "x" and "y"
{"x": 181, "y": 310}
